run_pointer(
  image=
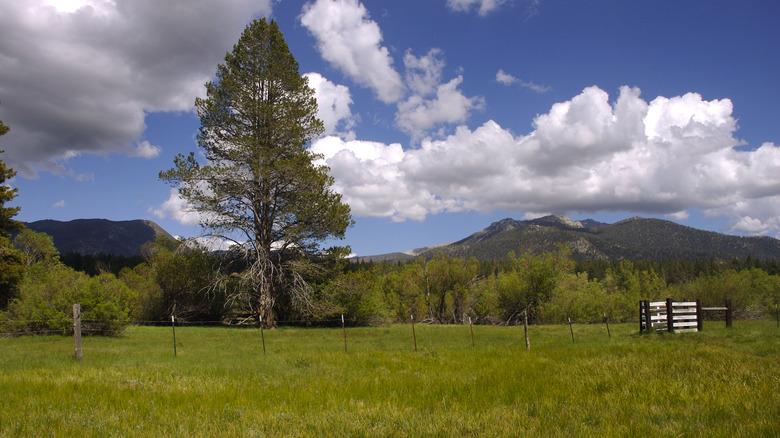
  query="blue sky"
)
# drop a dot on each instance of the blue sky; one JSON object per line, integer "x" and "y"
{"x": 442, "y": 116}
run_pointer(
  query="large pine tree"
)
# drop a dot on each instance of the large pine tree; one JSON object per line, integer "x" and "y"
{"x": 259, "y": 186}
{"x": 11, "y": 261}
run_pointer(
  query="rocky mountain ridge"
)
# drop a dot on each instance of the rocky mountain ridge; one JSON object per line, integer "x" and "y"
{"x": 633, "y": 239}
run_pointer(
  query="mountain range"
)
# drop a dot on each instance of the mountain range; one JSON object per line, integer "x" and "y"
{"x": 631, "y": 239}
{"x": 99, "y": 236}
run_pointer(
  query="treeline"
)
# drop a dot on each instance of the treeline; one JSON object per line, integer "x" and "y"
{"x": 175, "y": 278}
{"x": 677, "y": 271}
{"x": 551, "y": 287}
{"x": 94, "y": 264}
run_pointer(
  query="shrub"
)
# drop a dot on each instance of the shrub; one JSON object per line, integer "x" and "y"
{"x": 180, "y": 274}
{"x": 150, "y": 303}
{"x": 47, "y": 295}
{"x": 356, "y": 296}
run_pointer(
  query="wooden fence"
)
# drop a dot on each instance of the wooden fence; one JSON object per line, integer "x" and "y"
{"x": 676, "y": 317}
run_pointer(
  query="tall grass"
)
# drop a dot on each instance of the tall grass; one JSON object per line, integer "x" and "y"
{"x": 717, "y": 383}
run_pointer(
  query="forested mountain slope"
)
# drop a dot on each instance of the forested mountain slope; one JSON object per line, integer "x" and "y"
{"x": 99, "y": 236}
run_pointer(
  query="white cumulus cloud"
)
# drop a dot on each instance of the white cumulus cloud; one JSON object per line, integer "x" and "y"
{"x": 432, "y": 103}
{"x": 348, "y": 39}
{"x": 423, "y": 74}
{"x": 177, "y": 209}
{"x": 585, "y": 155}
{"x": 115, "y": 61}
{"x": 145, "y": 149}
{"x": 333, "y": 103}
{"x": 370, "y": 180}
{"x": 417, "y": 114}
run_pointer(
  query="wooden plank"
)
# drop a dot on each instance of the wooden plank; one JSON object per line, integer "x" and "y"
{"x": 684, "y": 309}
{"x": 714, "y": 308}
{"x": 685, "y": 324}
{"x": 684, "y": 304}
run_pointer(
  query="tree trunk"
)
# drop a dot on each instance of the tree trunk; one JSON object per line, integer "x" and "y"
{"x": 443, "y": 307}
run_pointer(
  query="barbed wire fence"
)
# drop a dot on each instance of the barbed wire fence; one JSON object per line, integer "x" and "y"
{"x": 40, "y": 331}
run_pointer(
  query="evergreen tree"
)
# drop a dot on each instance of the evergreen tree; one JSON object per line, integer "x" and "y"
{"x": 11, "y": 260}
{"x": 7, "y": 224}
{"x": 260, "y": 187}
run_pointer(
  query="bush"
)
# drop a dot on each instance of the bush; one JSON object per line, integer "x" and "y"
{"x": 176, "y": 279}
{"x": 150, "y": 303}
{"x": 47, "y": 295}
{"x": 355, "y": 296}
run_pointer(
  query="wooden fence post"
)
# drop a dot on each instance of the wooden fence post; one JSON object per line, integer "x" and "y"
{"x": 77, "y": 329}
{"x": 344, "y": 331}
{"x": 471, "y": 328}
{"x": 414, "y": 334}
{"x": 173, "y": 326}
{"x": 641, "y": 317}
{"x": 571, "y": 329}
{"x": 699, "y": 316}
{"x": 669, "y": 316}
{"x": 262, "y": 336}
{"x": 648, "y": 317}
{"x": 525, "y": 329}
{"x": 728, "y": 313}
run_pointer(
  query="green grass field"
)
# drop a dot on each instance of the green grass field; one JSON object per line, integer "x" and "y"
{"x": 720, "y": 382}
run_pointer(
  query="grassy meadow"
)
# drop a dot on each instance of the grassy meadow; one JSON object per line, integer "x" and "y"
{"x": 720, "y": 382}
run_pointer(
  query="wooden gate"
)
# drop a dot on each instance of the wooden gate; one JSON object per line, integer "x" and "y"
{"x": 676, "y": 317}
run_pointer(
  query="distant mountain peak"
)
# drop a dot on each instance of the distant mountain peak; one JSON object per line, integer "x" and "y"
{"x": 572, "y": 223}
{"x": 558, "y": 220}
{"x": 631, "y": 219}
{"x": 491, "y": 230}
{"x": 417, "y": 251}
